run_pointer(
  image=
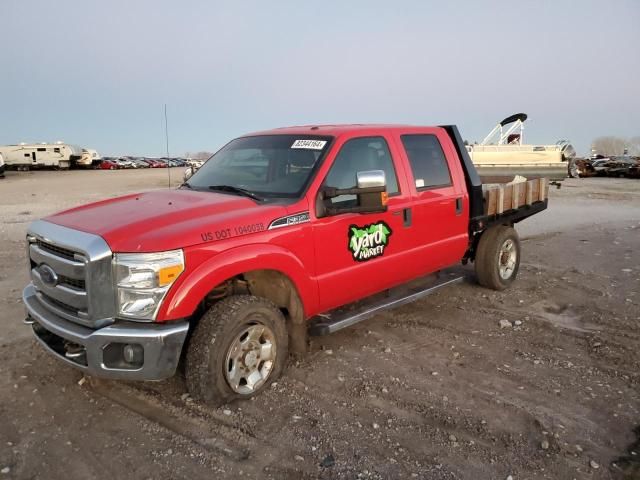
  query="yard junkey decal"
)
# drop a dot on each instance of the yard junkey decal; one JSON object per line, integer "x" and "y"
{"x": 369, "y": 241}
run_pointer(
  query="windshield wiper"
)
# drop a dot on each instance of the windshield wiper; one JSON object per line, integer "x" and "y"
{"x": 232, "y": 189}
{"x": 186, "y": 184}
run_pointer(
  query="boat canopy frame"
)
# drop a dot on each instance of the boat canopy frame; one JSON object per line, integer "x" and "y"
{"x": 503, "y": 135}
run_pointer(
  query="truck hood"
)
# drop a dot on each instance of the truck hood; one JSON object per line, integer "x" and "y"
{"x": 168, "y": 219}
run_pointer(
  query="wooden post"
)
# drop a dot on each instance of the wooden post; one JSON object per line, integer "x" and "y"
{"x": 542, "y": 192}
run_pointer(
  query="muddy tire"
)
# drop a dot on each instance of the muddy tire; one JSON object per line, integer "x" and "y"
{"x": 239, "y": 347}
{"x": 573, "y": 170}
{"x": 498, "y": 257}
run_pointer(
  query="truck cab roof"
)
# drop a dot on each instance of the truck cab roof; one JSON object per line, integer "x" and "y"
{"x": 338, "y": 129}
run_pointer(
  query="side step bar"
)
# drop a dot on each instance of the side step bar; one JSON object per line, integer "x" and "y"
{"x": 325, "y": 324}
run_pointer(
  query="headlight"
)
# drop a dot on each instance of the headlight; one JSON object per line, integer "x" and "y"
{"x": 142, "y": 281}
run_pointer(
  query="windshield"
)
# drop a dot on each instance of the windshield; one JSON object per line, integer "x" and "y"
{"x": 268, "y": 165}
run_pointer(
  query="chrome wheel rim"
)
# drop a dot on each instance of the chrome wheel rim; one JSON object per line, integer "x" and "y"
{"x": 250, "y": 358}
{"x": 507, "y": 259}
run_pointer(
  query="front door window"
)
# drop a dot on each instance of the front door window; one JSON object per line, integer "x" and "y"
{"x": 359, "y": 155}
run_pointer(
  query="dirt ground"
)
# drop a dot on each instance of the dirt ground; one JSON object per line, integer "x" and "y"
{"x": 435, "y": 389}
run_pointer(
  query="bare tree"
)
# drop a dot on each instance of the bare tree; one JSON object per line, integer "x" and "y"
{"x": 198, "y": 155}
{"x": 610, "y": 145}
{"x": 634, "y": 145}
{"x": 202, "y": 155}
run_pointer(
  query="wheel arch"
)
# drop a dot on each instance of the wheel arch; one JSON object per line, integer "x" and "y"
{"x": 269, "y": 271}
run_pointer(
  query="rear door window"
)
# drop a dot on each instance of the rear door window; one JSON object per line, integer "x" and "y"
{"x": 427, "y": 159}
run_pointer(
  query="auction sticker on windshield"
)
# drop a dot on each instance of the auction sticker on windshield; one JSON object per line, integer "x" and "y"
{"x": 309, "y": 144}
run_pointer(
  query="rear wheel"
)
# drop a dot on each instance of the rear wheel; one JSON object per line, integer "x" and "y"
{"x": 498, "y": 257}
{"x": 238, "y": 349}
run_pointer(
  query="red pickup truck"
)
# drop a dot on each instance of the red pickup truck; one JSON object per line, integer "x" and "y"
{"x": 265, "y": 244}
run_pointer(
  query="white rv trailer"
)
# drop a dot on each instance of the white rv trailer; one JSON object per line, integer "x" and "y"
{"x": 503, "y": 152}
{"x": 40, "y": 155}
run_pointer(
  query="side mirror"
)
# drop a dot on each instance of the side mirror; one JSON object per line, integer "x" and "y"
{"x": 188, "y": 173}
{"x": 370, "y": 190}
{"x": 373, "y": 190}
{"x": 371, "y": 179}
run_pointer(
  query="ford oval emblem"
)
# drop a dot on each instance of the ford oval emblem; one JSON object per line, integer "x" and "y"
{"x": 48, "y": 275}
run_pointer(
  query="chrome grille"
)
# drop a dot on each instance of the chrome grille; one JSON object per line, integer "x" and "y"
{"x": 56, "y": 303}
{"x": 71, "y": 271}
{"x": 72, "y": 282}
{"x": 59, "y": 251}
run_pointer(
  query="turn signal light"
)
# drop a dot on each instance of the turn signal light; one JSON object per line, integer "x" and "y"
{"x": 167, "y": 275}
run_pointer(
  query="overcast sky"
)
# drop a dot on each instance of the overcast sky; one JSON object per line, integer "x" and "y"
{"x": 97, "y": 73}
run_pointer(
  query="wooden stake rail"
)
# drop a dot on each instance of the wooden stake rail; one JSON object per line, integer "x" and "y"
{"x": 500, "y": 198}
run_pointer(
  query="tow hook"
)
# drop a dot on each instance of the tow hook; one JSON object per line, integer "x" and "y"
{"x": 74, "y": 352}
{"x": 28, "y": 321}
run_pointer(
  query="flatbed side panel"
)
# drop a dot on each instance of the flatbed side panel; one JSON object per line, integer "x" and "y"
{"x": 472, "y": 179}
{"x": 499, "y": 198}
{"x": 508, "y": 216}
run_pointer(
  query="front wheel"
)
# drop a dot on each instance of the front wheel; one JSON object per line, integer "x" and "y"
{"x": 237, "y": 349}
{"x": 498, "y": 257}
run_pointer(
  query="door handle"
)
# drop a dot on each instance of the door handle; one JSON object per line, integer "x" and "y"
{"x": 406, "y": 217}
{"x": 459, "y": 206}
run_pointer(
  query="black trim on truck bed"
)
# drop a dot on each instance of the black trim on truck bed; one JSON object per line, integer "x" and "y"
{"x": 471, "y": 177}
{"x": 478, "y": 221}
{"x": 510, "y": 216}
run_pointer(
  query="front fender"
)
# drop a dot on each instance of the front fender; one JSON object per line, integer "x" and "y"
{"x": 193, "y": 285}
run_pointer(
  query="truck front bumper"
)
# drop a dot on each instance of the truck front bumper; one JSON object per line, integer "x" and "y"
{"x": 122, "y": 350}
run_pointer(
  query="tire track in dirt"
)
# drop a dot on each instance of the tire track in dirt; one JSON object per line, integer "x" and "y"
{"x": 201, "y": 426}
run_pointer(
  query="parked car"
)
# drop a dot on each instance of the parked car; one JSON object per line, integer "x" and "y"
{"x": 634, "y": 170}
{"x": 194, "y": 163}
{"x": 139, "y": 163}
{"x": 621, "y": 166}
{"x": 109, "y": 164}
{"x": 614, "y": 166}
{"x": 155, "y": 163}
{"x": 124, "y": 162}
{"x": 232, "y": 271}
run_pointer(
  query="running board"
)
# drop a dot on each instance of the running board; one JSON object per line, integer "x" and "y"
{"x": 325, "y": 324}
